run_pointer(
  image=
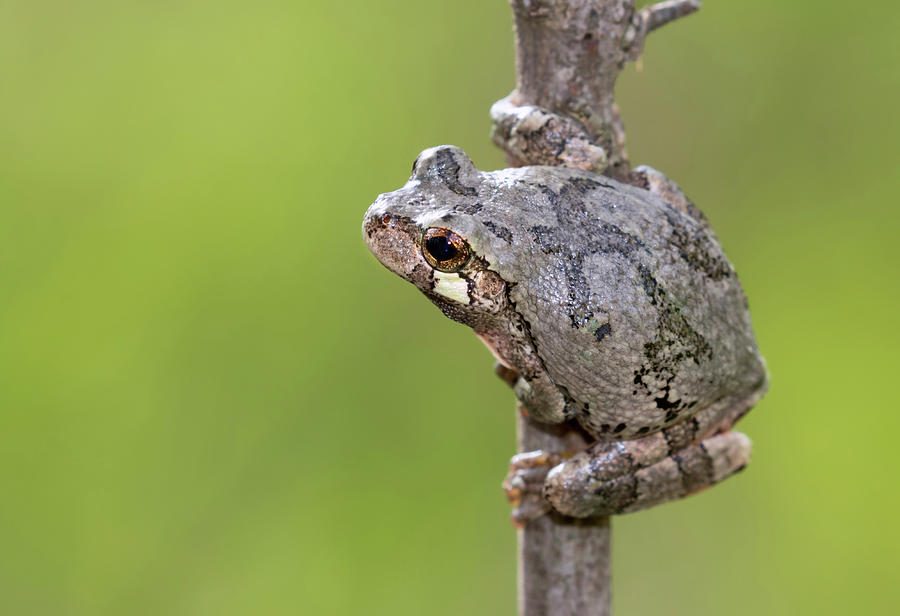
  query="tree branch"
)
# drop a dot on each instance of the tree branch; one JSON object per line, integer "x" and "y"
{"x": 569, "y": 54}
{"x": 563, "y": 562}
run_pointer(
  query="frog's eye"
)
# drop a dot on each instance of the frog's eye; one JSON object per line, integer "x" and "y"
{"x": 444, "y": 250}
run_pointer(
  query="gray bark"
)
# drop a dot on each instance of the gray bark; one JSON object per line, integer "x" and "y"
{"x": 563, "y": 562}
{"x": 568, "y": 56}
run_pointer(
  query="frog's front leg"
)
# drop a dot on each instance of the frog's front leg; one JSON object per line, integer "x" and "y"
{"x": 535, "y": 136}
{"x": 538, "y": 395}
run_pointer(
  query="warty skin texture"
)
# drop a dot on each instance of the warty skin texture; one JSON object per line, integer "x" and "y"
{"x": 632, "y": 308}
{"x": 614, "y": 304}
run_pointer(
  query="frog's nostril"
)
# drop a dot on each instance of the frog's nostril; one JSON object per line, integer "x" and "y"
{"x": 372, "y": 225}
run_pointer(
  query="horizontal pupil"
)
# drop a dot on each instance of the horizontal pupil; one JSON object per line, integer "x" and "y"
{"x": 440, "y": 248}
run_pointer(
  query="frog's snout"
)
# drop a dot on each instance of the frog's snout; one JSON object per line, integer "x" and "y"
{"x": 394, "y": 240}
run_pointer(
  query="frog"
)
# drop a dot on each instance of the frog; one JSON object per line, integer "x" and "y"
{"x": 608, "y": 305}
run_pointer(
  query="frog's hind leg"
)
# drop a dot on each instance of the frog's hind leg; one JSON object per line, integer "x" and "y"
{"x": 690, "y": 470}
{"x": 620, "y": 476}
{"x": 623, "y": 476}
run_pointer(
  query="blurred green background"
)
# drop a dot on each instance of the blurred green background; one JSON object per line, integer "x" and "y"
{"x": 213, "y": 400}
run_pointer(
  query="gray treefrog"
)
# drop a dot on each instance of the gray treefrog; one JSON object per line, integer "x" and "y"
{"x": 607, "y": 304}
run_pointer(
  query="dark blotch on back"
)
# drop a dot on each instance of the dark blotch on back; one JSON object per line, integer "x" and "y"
{"x": 447, "y": 170}
{"x": 603, "y": 331}
{"x": 469, "y": 209}
{"x": 696, "y": 248}
{"x": 675, "y": 341}
{"x": 502, "y": 232}
{"x": 581, "y": 302}
{"x": 583, "y": 185}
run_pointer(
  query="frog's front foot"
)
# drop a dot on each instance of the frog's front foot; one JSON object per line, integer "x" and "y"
{"x": 535, "y": 136}
{"x": 633, "y": 475}
{"x": 524, "y": 484}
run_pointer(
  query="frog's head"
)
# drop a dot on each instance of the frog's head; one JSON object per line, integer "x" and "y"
{"x": 427, "y": 233}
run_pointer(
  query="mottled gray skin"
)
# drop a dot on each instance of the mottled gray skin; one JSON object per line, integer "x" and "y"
{"x": 614, "y": 305}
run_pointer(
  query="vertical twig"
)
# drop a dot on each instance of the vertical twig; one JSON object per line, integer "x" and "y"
{"x": 563, "y": 562}
{"x": 568, "y": 56}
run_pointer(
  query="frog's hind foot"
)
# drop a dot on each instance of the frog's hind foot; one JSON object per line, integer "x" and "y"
{"x": 524, "y": 484}
{"x": 574, "y": 490}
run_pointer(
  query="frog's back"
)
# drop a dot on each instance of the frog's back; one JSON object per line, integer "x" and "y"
{"x": 634, "y": 309}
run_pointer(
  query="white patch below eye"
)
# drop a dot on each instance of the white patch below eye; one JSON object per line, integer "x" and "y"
{"x": 451, "y": 286}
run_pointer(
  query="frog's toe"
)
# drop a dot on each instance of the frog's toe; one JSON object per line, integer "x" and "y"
{"x": 524, "y": 484}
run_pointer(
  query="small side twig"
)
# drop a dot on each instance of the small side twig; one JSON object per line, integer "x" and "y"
{"x": 661, "y": 13}
{"x": 655, "y": 16}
